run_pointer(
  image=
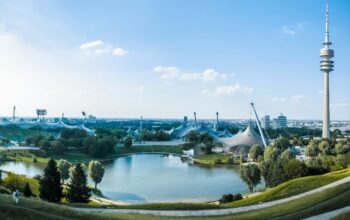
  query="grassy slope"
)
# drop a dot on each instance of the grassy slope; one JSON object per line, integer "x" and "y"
{"x": 327, "y": 200}
{"x": 293, "y": 187}
{"x": 344, "y": 216}
{"x": 209, "y": 159}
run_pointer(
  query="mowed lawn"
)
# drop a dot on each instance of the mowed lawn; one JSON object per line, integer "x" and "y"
{"x": 293, "y": 187}
{"x": 327, "y": 200}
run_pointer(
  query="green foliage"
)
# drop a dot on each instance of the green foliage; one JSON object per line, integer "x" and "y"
{"x": 99, "y": 147}
{"x": 57, "y": 147}
{"x": 63, "y": 167}
{"x": 312, "y": 149}
{"x": 27, "y": 191}
{"x": 255, "y": 151}
{"x": 78, "y": 191}
{"x": 341, "y": 148}
{"x": 295, "y": 169}
{"x": 282, "y": 143}
{"x": 50, "y": 185}
{"x": 71, "y": 133}
{"x": 230, "y": 198}
{"x": 271, "y": 153}
{"x": 250, "y": 174}
{"x": 325, "y": 148}
{"x": 264, "y": 167}
{"x": 276, "y": 174}
{"x": 96, "y": 171}
{"x": 288, "y": 155}
{"x": 128, "y": 142}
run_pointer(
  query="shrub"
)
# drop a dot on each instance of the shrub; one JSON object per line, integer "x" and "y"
{"x": 27, "y": 190}
{"x": 34, "y": 160}
{"x": 217, "y": 161}
{"x": 230, "y": 198}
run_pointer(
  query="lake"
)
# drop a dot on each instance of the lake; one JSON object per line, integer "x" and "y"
{"x": 149, "y": 178}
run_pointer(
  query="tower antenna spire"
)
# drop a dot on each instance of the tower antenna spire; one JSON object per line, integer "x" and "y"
{"x": 326, "y": 40}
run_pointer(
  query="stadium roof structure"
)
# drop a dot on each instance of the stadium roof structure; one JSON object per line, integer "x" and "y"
{"x": 246, "y": 138}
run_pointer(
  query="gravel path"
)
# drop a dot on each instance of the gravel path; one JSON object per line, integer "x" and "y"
{"x": 329, "y": 215}
{"x": 214, "y": 212}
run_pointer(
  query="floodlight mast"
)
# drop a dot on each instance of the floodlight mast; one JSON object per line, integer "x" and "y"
{"x": 258, "y": 123}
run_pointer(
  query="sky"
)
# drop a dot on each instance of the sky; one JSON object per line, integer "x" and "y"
{"x": 167, "y": 59}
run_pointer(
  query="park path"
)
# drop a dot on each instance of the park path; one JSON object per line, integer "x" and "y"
{"x": 214, "y": 212}
{"x": 329, "y": 215}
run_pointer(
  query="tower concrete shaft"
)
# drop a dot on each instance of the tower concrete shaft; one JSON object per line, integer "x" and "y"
{"x": 326, "y": 65}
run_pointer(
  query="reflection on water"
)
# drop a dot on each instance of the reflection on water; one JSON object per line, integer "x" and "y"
{"x": 156, "y": 178}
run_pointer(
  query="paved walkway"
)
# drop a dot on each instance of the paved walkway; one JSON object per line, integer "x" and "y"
{"x": 214, "y": 212}
{"x": 329, "y": 215}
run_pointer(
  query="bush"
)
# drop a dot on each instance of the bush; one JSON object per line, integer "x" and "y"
{"x": 4, "y": 190}
{"x": 27, "y": 190}
{"x": 217, "y": 161}
{"x": 230, "y": 198}
{"x": 230, "y": 160}
{"x": 34, "y": 160}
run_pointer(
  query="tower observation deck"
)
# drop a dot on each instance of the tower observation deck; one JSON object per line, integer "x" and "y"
{"x": 326, "y": 66}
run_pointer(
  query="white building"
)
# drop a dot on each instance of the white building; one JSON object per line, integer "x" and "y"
{"x": 265, "y": 122}
{"x": 279, "y": 122}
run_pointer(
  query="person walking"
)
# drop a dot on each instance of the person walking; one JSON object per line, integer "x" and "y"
{"x": 15, "y": 196}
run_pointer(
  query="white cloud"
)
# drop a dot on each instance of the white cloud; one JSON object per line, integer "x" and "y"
{"x": 299, "y": 98}
{"x": 279, "y": 99}
{"x": 119, "y": 52}
{"x": 99, "y": 48}
{"x": 172, "y": 73}
{"x": 293, "y": 29}
{"x": 341, "y": 105}
{"x": 228, "y": 90}
{"x": 320, "y": 91}
{"x": 91, "y": 44}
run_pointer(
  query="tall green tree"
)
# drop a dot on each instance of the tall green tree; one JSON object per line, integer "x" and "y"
{"x": 271, "y": 153}
{"x": 294, "y": 169}
{"x": 255, "y": 151}
{"x": 128, "y": 142}
{"x": 96, "y": 171}
{"x": 288, "y": 155}
{"x": 250, "y": 174}
{"x": 264, "y": 167}
{"x": 63, "y": 167}
{"x": 276, "y": 174}
{"x": 78, "y": 191}
{"x": 312, "y": 149}
{"x": 50, "y": 184}
{"x": 27, "y": 191}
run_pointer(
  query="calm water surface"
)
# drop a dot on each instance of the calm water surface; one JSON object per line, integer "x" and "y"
{"x": 156, "y": 178}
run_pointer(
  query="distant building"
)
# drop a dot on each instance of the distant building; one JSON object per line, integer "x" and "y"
{"x": 279, "y": 122}
{"x": 265, "y": 122}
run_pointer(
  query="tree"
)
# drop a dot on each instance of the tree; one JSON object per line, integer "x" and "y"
{"x": 27, "y": 190}
{"x": 63, "y": 167}
{"x": 271, "y": 153}
{"x": 341, "y": 148}
{"x": 276, "y": 173}
{"x": 294, "y": 169}
{"x": 96, "y": 171}
{"x": 128, "y": 142}
{"x": 325, "y": 148}
{"x": 193, "y": 137}
{"x": 0, "y": 177}
{"x": 312, "y": 149}
{"x": 57, "y": 147}
{"x": 50, "y": 184}
{"x": 78, "y": 191}
{"x": 264, "y": 169}
{"x": 255, "y": 151}
{"x": 44, "y": 145}
{"x": 250, "y": 174}
{"x": 288, "y": 155}
{"x": 282, "y": 143}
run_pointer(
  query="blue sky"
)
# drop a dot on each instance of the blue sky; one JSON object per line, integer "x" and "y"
{"x": 168, "y": 58}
